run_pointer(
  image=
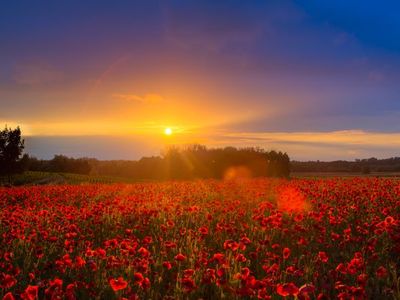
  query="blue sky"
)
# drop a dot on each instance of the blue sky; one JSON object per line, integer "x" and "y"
{"x": 212, "y": 70}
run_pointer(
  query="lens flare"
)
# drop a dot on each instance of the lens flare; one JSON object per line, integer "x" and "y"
{"x": 237, "y": 173}
{"x": 290, "y": 199}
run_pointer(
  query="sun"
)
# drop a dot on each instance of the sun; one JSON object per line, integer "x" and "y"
{"x": 168, "y": 131}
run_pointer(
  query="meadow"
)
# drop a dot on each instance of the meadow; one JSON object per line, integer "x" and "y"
{"x": 46, "y": 178}
{"x": 331, "y": 238}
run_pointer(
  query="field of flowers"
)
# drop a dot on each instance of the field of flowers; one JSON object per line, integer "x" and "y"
{"x": 258, "y": 238}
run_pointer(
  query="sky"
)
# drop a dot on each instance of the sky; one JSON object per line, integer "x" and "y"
{"x": 316, "y": 79}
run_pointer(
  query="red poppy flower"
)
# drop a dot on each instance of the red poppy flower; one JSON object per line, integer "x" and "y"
{"x": 101, "y": 252}
{"x": 118, "y": 284}
{"x": 245, "y": 240}
{"x": 245, "y": 272}
{"x": 188, "y": 273}
{"x": 167, "y": 265}
{"x": 389, "y": 220}
{"x": 55, "y": 289}
{"x": 322, "y": 256}
{"x": 203, "y": 230}
{"x": 180, "y": 257}
{"x": 381, "y": 272}
{"x": 70, "y": 291}
{"x": 188, "y": 284}
{"x": 287, "y": 289}
{"x": 286, "y": 253}
{"x": 341, "y": 268}
{"x": 79, "y": 262}
{"x": 169, "y": 244}
{"x": 219, "y": 257}
{"x": 138, "y": 277}
{"x": 231, "y": 244}
{"x": 362, "y": 279}
{"x": 322, "y": 297}
{"x": 221, "y": 272}
{"x": 306, "y": 289}
{"x": 146, "y": 283}
{"x": 31, "y": 292}
{"x": 240, "y": 258}
{"x": 56, "y": 283}
{"x": 8, "y": 281}
{"x": 8, "y": 296}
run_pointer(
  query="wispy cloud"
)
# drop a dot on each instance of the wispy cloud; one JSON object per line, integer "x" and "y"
{"x": 343, "y": 137}
{"x": 148, "y": 98}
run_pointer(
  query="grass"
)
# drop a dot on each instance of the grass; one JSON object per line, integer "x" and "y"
{"x": 42, "y": 178}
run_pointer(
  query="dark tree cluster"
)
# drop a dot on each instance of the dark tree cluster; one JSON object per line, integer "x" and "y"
{"x": 11, "y": 148}
{"x": 200, "y": 162}
{"x": 197, "y": 161}
{"x": 178, "y": 163}
{"x": 61, "y": 164}
{"x": 363, "y": 166}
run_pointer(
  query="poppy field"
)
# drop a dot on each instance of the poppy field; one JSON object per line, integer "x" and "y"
{"x": 203, "y": 239}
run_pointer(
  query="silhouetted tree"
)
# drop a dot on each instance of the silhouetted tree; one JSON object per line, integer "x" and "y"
{"x": 194, "y": 161}
{"x": 358, "y": 166}
{"x": 11, "y": 148}
{"x": 366, "y": 170}
{"x": 199, "y": 162}
{"x": 61, "y": 163}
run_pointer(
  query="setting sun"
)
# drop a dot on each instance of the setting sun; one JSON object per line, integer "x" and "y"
{"x": 168, "y": 131}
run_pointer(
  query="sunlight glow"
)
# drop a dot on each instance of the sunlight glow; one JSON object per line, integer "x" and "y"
{"x": 292, "y": 200}
{"x": 168, "y": 131}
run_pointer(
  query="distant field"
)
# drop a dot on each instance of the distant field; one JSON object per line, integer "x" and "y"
{"x": 50, "y": 178}
{"x": 343, "y": 174}
{"x": 41, "y": 178}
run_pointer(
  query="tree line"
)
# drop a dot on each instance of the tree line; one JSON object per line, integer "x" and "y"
{"x": 364, "y": 166}
{"x": 190, "y": 162}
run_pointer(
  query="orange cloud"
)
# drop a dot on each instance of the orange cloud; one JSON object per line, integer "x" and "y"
{"x": 346, "y": 137}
